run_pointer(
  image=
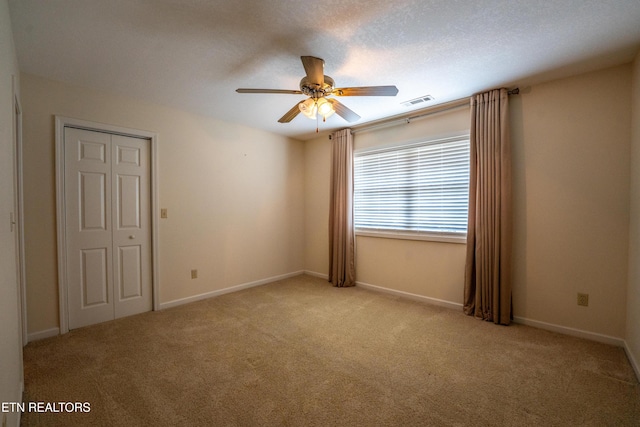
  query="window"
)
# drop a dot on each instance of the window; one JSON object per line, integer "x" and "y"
{"x": 415, "y": 191}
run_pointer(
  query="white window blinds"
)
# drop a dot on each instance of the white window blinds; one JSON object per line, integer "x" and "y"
{"x": 420, "y": 188}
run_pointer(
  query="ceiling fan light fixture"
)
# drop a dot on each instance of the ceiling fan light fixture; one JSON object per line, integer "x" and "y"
{"x": 325, "y": 108}
{"x": 309, "y": 108}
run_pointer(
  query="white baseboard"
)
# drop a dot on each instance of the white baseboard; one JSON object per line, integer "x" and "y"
{"x": 316, "y": 274}
{"x": 40, "y": 335}
{"x": 593, "y": 336}
{"x": 422, "y": 298}
{"x": 219, "y": 292}
{"x": 632, "y": 360}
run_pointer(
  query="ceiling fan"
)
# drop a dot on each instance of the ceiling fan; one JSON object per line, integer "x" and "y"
{"x": 318, "y": 88}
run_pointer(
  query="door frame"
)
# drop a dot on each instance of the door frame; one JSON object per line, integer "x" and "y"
{"x": 18, "y": 216}
{"x": 61, "y": 123}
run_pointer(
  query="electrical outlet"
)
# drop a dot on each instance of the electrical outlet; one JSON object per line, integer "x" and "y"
{"x": 163, "y": 213}
{"x": 194, "y": 274}
{"x": 583, "y": 299}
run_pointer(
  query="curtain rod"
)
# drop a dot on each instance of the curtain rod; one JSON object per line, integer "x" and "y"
{"x": 405, "y": 118}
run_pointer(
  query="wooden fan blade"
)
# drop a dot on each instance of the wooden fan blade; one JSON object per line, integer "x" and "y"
{"x": 366, "y": 91}
{"x": 291, "y": 114}
{"x": 314, "y": 67}
{"x": 290, "y": 92}
{"x": 343, "y": 111}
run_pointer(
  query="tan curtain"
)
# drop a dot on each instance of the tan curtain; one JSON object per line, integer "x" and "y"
{"x": 487, "y": 289}
{"x": 342, "y": 271}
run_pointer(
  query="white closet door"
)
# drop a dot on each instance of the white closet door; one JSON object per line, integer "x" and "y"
{"x": 131, "y": 225}
{"x": 88, "y": 225}
{"x": 107, "y": 226}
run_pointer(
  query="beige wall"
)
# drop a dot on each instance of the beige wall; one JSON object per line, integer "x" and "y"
{"x": 10, "y": 328}
{"x": 571, "y": 199}
{"x": 317, "y": 166}
{"x": 234, "y": 195}
{"x": 571, "y": 195}
{"x": 633, "y": 292}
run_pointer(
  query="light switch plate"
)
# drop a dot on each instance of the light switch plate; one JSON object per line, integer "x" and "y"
{"x": 163, "y": 213}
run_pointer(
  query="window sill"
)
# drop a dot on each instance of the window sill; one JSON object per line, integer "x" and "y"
{"x": 431, "y": 237}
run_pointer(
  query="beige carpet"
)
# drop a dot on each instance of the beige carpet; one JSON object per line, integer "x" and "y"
{"x": 299, "y": 352}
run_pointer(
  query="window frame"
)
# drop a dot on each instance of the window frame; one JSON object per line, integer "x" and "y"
{"x": 433, "y": 236}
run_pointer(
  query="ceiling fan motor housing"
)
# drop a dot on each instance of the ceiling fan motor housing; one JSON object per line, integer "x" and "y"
{"x": 317, "y": 90}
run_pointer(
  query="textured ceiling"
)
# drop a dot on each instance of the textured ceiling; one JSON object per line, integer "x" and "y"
{"x": 193, "y": 54}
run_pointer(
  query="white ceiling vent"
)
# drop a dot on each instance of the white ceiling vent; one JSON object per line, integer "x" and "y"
{"x": 412, "y": 102}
